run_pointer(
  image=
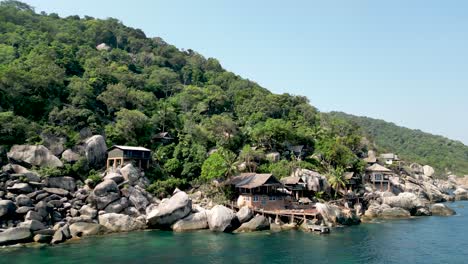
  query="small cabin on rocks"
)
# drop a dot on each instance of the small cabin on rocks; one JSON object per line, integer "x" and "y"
{"x": 119, "y": 155}
{"x": 296, "y": 185}
{"x": 353, "y": 180}
{"x": 389, "y": 158}
{"x": 379, "y": 176}
{"x": 259, "y": 191}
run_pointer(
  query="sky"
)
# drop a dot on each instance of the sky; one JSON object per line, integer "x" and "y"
{"x": 402, "y": 61}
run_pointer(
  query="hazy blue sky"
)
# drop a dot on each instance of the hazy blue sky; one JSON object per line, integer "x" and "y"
{"x": 402, "y": 61}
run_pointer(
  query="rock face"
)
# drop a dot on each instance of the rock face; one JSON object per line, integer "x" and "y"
{"x": 407, "y": 201}
{"x": 67, "y": 183}
{"x": 7, "y": 208}
{"x": 54, "y": 143}
{"x": 130, "y": 173}
{"x": 442, "y": 210}
{"x": 258, "y": 223}
{"x": 195, "y": 221}
{"x": 15, "y": 235}
{"x": 34, "y": 156}
{"x": 21, "y": 187}
{"x": 82, "y": 229}
{"x": 395, "y": 212}
{"x": 104, "y": 193}
{"x": 121, "y": 223}
{"x": 245, "y": 214}
{"x": 222, "y": 219}
{"x": 114, "y": 176}
{"x": 170, "y": 210}
{"x": 96, "y": 150}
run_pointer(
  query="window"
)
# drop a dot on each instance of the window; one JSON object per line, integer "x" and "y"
{"x": 378, "y": 177}
{"x": 255, "y": 198}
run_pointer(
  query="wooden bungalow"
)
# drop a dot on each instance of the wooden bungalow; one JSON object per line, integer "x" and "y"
{"x": 296, "y": 185}
{"x": 379, "y": 176}
{"x": 259, "y": 191}
{"x": 119, "y": 155}
{"x": 353, "y": 180}
{"x": 389, "y": 158}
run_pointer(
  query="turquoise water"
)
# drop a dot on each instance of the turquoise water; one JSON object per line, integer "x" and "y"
{"x": 419, "y": 240}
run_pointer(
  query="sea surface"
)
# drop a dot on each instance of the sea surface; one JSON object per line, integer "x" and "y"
{"x": 418, "y": 240}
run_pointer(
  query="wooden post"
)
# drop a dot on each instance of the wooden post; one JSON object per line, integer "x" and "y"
{"x": 107, "y": 164}
{"x": 139, "y": 164}
{"x": 114, "y": 161}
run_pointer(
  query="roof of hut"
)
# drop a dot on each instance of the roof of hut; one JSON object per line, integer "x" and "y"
{"x": 292, "y": 180}
{"x": 253, "y": 180}
{"x": 128, "y": 148}
{"x": 378, "y": 168}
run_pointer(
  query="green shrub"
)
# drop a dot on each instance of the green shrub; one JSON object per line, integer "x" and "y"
{"x": 94, "y": 178}
{"x": 163, "y": 188}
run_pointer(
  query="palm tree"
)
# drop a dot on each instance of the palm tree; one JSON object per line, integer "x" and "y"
{"x": 337, "y": 180}
{"x": 248, "y": 155}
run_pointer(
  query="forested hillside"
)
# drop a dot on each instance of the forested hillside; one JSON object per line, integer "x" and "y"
{"x": 54, "y": 79}
{"x": 415, "y": 145}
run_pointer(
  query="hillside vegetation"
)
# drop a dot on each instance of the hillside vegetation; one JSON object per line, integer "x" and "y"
{"x": 444, "y": 154}
{"x": 55, "y": 81}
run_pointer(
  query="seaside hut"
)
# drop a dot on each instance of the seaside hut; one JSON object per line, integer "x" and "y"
{"x": 379, "y": 176}
{"x": 296, "y": 185}
{"x": 119, "y": 155}
{"x": 258, "y": 191}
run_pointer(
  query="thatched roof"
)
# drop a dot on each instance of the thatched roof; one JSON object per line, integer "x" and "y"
{"x": 253, "y": 180}
{"x": 292, "y": 180}
{"x": 378, "y": 168}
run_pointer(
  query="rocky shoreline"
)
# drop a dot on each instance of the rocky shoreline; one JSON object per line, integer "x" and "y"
{"x": 52, "y": 210}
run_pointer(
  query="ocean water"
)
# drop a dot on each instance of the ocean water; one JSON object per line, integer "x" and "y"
{"x": 418, "y": 240}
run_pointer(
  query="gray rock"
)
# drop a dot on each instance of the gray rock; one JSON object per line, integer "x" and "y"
{"x": 82, "y": 229}
{"x": 54, "y": 143}
{"x": 43, "y": 209}
{"x": 104, "y": 193}
{"x": 130, "y": 173}
{"x": 121, "y": 223}
{"x": 32, "y": 215}
{"x": 20, "y": 188}
{"x": 196, "y": 221}
{"x": 116, "y": 177}
{"x": 57, "y": 191}
{"x": 137, "y": 199}
{"x": 58, "y": 237}
{"x": 42, "y": 196}
{"x": 15, "y": 235}
{"x": 222, "y": 219}
{"x": 442, "y": 210}
{"x": 132, "y": 211}
{"x": 70, "y": 156}
{"x": 49, "y": 232}
{"x": 34, "y": 155}
{"x": 258, "y": 223}
{"x": 428, "y": 171}
{"x": 461, "y": 194}
{"x": 245, "y": 214}
{"x": 33, "y": 225}
{"x": 407, "y": 201}
{"x": 43, "y": 239}
{"x": 117, "y": 206}
{"x": 23, "y": 200}
{"x": 24, "y": 209}
{"x": 65, "y": 182}
{"x": 96, "y": 150}
{"x": 170, "y": 210}
{"x": 395, "y": 212}
{"x": 88, "y": 211}
{"x": 7, "y": 209}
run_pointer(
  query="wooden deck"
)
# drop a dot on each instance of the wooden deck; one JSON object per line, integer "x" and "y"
{"x": 298, "y": 215}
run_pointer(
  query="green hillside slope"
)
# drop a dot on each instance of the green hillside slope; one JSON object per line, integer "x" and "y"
{"x": 442, "y": 153}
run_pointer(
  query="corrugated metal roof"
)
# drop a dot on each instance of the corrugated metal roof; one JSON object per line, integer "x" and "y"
{"x": 129, "y": 148}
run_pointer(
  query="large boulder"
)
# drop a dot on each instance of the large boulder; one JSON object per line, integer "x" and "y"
{"x": 57, "y": 191}
{"x": 88, "y": 212}
{"x": 121, "y": 223}
{"x": 33, "y": 225}
{"x": 23, "y": 200}
{"x": 7, "y": 208}
{"x": 104, "y": 193}
{"x": 196, "y": 221}
{"x": 130, "y": 173}
{"x": 15, "y": 235}
{"x": 170, "y": 210}
{"x": 258, "y": 223}
{"x": 21, "y": 187}
{"x": 118, "y": 206}
{"x": 428, "y": 171}
{"x": 96, "y": 150}
{"x": 54, "y": 143}
{"x": 82, "y": 229}
{"x": 137, "y": 198}
{"x": 461, "y": 194}
{"x": 34, "y": 155}
{"x": 395, "y": 212}
{"x": 65, "y": 182}
{"x": 405, "y": 200}
{"x": 222, "y": 219}
{"x": 442, "y": 210}
{"x": 114, "y": 176}
{"x": 70, "y": 156}
{"x": 245, "y": 214}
